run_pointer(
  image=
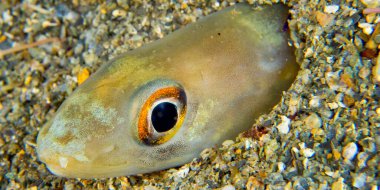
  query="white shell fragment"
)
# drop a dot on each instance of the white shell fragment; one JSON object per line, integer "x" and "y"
{"x": 350, "y": 151}
{"x": 308, "y": 152}
{"x": 331, "y": 9}
{"x": 367, "y": 28}
{"x": 283, "y": 127}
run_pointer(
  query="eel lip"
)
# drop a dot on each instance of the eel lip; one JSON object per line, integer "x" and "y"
{"x": 67, "y": 166}
{"x": 75, "y": 169}
{"x": 71, "y": 167}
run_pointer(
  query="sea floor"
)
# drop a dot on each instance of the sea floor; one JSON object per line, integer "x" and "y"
{"x": 324, "y": 134}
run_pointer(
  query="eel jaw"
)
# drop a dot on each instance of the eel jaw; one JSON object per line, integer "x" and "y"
{"x": 82, "y": 141}
{"x": 87, "y": 160}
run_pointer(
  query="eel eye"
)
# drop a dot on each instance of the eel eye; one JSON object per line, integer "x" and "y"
{"x": 162, "y": 115}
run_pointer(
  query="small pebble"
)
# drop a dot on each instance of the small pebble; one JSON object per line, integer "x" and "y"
{"x": 227, "y": 143}
{"x": 90, "y": 58}
{"x": 368, "y": 145}
{"x": 293, "y": 104}
{"x": 370, "y": 3}
{"x": 305, "y": 163}
{"x": 364, "y": 72}
{"x": 308, "y": 53}
{"x": 348, "y": 101}
{"x": 1, "y": 140}
{"x": 332, "y": 79}
{"x": 68, "y": 185}
{"x": 205, "y": 153}
{"x": 254, "y": 183}
{"x": 339, "y": 184}
{"x": 283, "y": 127}
{"x": 359, "y": 181}
{"x": 362, "y": 159}
{"x": 323, "y": 18}
{"x": 367, "y": 28}
{"x": 376, "y": 70}
{"x": 329, "y": 173}
{"x": 248, "y": 144}
{"x": 228, "y": 187}
{"x": 314, "y": 102}
{"x": 83, "y": 75}
{"x": 318, "y": 133}
{"x": 333, "y": 105}
{"x": 302, "y": 145}
{"x": 119, "y": 13}
{"x": 350, "y": 151}
{"x": 78, "y": 49}
{"x": 313, "y": 121}
{"x": 295, "y": 150}
{"x": 7, "y": 17}
{"x": 376, "y": 38}
{"x": 331, "y": 9}
{"x": 281, "y": 166}
{"x": 336, "y": 154}
{"x": 182, "y": 173}
{"x": 63, "y": 11}
{"x": 72, "y": 17}
{"x": 308, "y": 152}
{"x": 150, "y": 187}
{"x": 301, "y": 183}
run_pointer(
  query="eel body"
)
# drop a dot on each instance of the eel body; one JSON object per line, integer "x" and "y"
{"x": 160, "y": 105}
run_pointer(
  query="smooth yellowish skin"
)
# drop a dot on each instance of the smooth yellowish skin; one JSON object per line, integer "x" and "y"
{"x": 233, "y": 66}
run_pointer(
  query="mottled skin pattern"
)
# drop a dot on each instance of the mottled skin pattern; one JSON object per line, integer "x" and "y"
{"x": 232, "y": 65}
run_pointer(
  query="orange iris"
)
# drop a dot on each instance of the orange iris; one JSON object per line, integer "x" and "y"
{"x": 146, "y": 131}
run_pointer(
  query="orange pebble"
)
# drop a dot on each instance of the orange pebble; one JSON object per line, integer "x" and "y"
{"x": 83, "y": 75}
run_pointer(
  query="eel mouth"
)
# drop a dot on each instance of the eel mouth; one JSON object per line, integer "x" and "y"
{"x": 72, "y": 168}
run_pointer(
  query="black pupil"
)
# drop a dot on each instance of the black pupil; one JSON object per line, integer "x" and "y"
{"x": 164, "y": 116}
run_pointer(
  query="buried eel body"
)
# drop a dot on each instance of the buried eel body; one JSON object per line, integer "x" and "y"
{"x": 160, "y": 105}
